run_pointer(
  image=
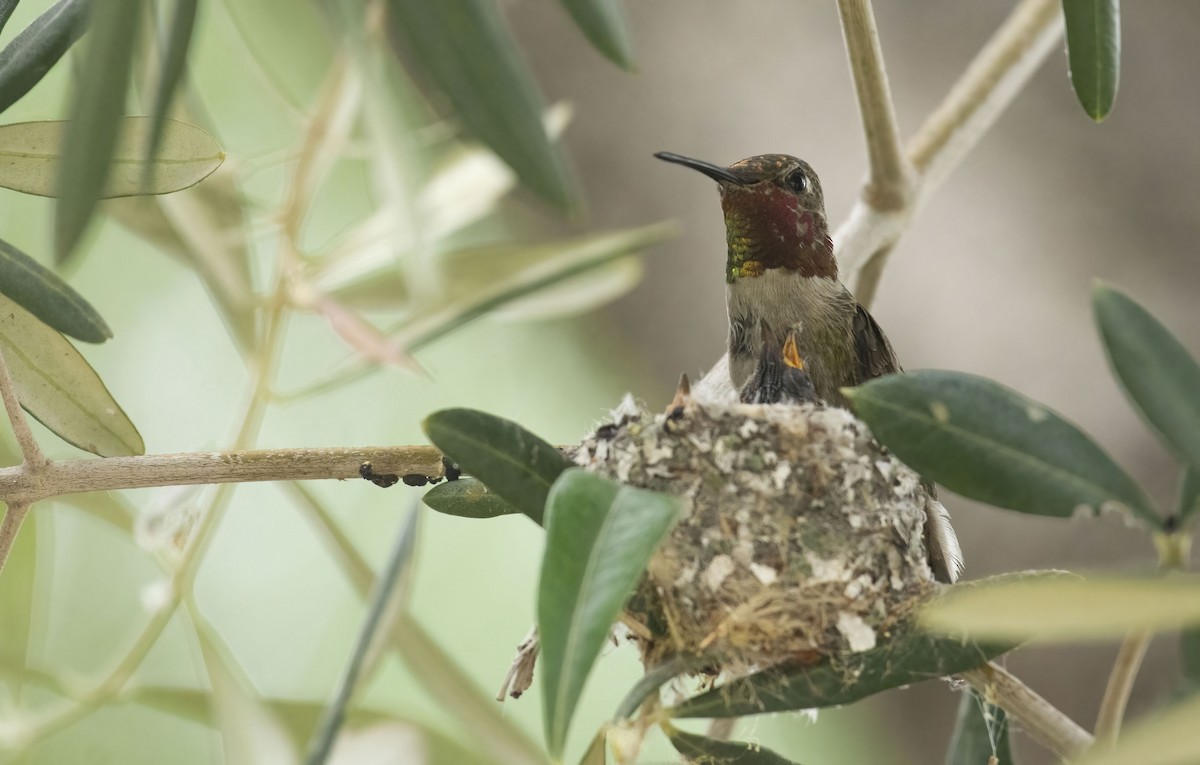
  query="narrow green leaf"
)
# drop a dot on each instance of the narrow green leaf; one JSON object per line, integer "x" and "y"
{"x": 40, "y": 291}
{"x": 655, "y": 679}
{"x": 514, "y": 463}
{"x": 1160, "y": 377}
{"x": 17, "y": 596}
{"x": 603, "y": 22}
{"x": 38, "y": 47}
{"x": 980, "y": 733}
{"x": 599, "y": 537}
{"x": 467, "y": 498}
{"x": 32, "y": 156}
{"x": 467, "y": 54}
{"x": 57, "y": 386}
{"x": 1189, "y": 494}
{"x": 1169, "y": 737}
{"x": 990, "y": 443}
{"x": 904, "y": 659}
{"x": 96, "y": 109}
{"x": 296, "y": 56}
{"x": 480, "y": 281}
{"x": 321, "y": 745}
{"x": 205, "y": 227}
{"x": 174, "y": 61}
{"x": 1094, "y": 51}
{"x": 6, "y": 11}
{"x": 1066, "y": 608}
{"x": 597, "y": 751}
{"x": 110, "y": 507}
{"x": 710, "y": 751}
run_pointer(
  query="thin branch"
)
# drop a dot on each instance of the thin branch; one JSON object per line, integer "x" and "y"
{"x": 890, "y": 183}
{"x": 1040, "y": 719}
{"x": 990, "y": 83}
{"x": 12, "y": 405}
{"x": 1120, "y": 684}
{"x": 57, "y": 478}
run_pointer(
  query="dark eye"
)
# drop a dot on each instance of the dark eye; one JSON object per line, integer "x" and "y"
{"x": 797, "y": 181}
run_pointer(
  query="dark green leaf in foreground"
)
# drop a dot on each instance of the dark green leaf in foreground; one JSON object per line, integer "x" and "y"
{"x": 599, "y": 537}
{"x": 467, "y": 498}
{"x": 1066, "y": 608}
{"x": 464, "y": 49}
{"x": 40, "y": 291}
{"x": 174, "y": 62}
{"x": 1094, "y": 52}
{"x": 39, "y": 46}
{"x": 1160, "y": 377}
{"x": 710, "y": 751}
{"x": 980, "y": 733}
{"x": 990, "y": 443}
{"x": 1189, "y": 662}
{"x": 900, "y": 660}
{"x": 6, "y": 11}
{"x": 96, "y": 109}
{"x": 511, "y": 461}
{"x": 904, "y": 657}
{"x": 603, "y": 21}
{"x": 57, "y": 386}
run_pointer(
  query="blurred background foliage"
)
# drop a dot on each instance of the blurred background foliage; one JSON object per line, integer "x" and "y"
{"x": 398, "y": 217}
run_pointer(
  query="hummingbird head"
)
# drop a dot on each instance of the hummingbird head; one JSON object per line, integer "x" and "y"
{"x": 774, "y": 215}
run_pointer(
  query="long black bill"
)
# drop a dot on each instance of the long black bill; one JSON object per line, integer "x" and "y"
{"x": 716, "y": 172}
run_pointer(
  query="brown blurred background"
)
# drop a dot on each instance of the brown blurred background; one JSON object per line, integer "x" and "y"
{"x": 995, "y": 276}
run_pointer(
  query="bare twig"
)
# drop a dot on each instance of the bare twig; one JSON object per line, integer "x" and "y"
{"x": 1120, "y": 684}
{"x": 890, "y": 183}
{"x": 29, "y": 447}
{"x": 993, "y": 79}
{"x": 1040, "y": 719}
{"x": 57, "y": 478}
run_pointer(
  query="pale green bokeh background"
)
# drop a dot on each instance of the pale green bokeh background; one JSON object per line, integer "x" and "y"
{"x": 268, "y": 584}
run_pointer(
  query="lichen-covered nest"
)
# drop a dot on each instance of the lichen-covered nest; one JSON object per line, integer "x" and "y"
{"x": 800, "y": 539}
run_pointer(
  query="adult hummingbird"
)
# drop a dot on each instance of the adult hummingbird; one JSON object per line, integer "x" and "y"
{"x": 781, "y": 274}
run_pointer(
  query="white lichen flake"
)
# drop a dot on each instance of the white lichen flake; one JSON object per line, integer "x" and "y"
{"x": 800, "y": 535}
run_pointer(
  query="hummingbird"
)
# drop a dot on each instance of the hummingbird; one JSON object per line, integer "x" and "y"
{"x": 781, "y": 276}
{"x": 780, "y": 377}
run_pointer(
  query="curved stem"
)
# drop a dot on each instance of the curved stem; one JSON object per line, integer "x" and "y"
{"x": 1120, "y": 684}
{"x": 1039, "y": 718}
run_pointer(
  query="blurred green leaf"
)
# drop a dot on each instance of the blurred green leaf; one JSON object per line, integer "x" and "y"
{"x": 39, "y": 46}
{"x": 1167, "y": 737}
{"x": 1189, "y": 494}
{"x": 980, "y": 733}
{"x": 514, "y": 463}
{"x": 990, "y": 443}
{"x": 1158, "y": 374}
{"x": 464, "y": 49}
{"x": 479, "y": 281}
{"x": 57, "y": 386}
{"x": 32, "y": 156}
{"x": 902, "y": 659}
{"x": 1094, "y": 51}
{"x": 375, "y": 625}
{"x": 603, "y": 21}
{"x": 1066, "y": 608}
{"x": 90, "y": 137}
{"x": 599, "y": 537}
{"x": 577, "y": 294}
{"x": 40, "y": 291}
{"x": 709, "y": 751}
{"x": 656, "y": 678}
{"x": 17, "y": 597}
{"x": 205, "y": 227}
{"x": 174, "y": 62}
{"x": 467, "y": 498}
{"x": 295, "y": 56}
{"x": 110, "y": 507}
{"x": 6, "y": 11}
{"x": 1189, "y": 661}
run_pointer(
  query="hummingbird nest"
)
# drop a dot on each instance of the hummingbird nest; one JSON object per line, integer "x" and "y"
{"x": 801, "y": 537}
